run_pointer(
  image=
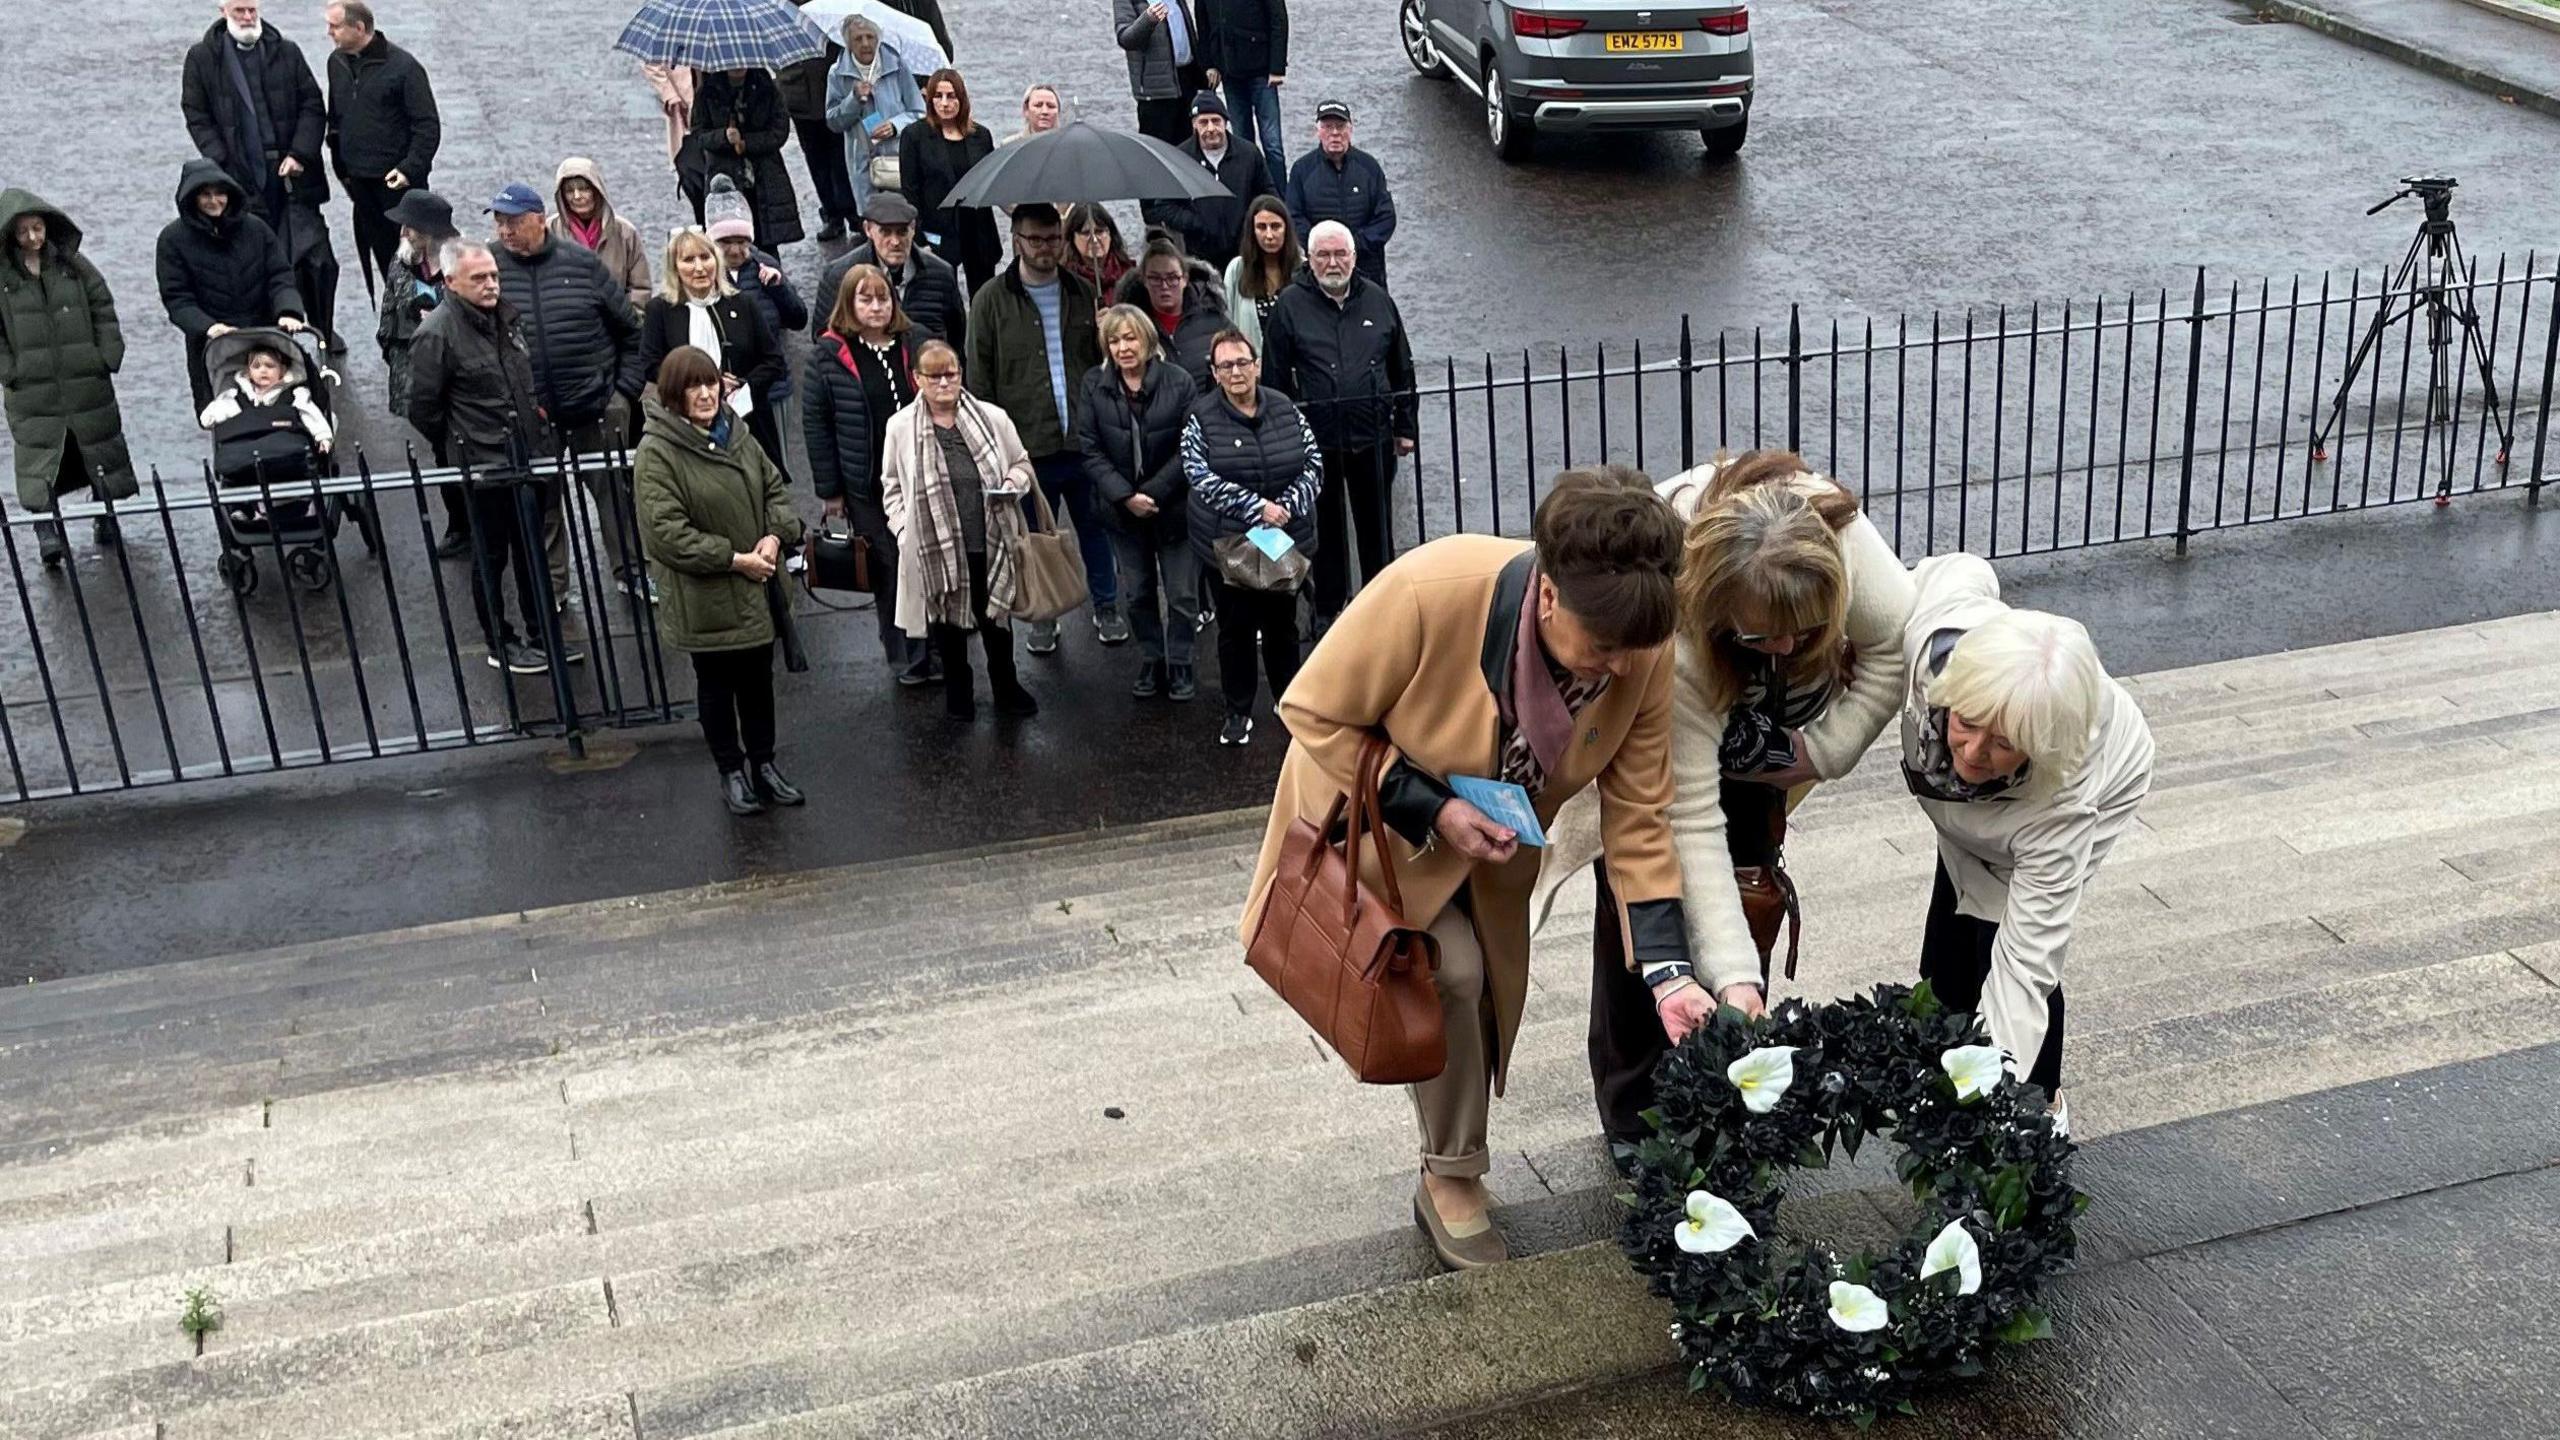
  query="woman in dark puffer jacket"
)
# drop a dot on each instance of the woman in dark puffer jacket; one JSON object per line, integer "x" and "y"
{"x": 1135, "y": 405}
{"x": 861, "y": 372}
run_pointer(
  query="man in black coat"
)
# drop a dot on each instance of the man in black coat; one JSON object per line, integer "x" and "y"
{"x": 585, "y": 342}
{"x": 221, "y": 268}
{"x": 1248, "y": 48}
{"x": 382, "y": 130}
{"x": 472, "y": 394}
{"x": 1340, "y": 181}
{"x": 253, "y": 107}
{"x": 1335, "y": 343}
{"x": 923, "y": 283}
{"x": 1211, "y": 229}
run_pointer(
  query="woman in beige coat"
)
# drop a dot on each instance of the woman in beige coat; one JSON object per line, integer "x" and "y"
{"x": 582, "y": 215}
{"x": 1790, "y": 664}
{"x": 1544, "y": 664}
{"x": 2030, "y": 760}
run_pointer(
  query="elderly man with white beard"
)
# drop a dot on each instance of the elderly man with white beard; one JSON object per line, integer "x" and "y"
{"x": 1336, "y": 344}
{"x": 253, "y": 107}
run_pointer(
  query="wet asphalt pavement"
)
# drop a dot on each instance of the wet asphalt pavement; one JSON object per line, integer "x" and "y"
{"x": 1938, "y": 154}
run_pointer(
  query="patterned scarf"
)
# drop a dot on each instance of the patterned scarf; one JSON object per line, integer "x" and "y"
{"x": 1538, "y": 714}
{"x": 942, "y": 564}
{"x": 1755, "y": 733}
{"x": 1935, "y": 777}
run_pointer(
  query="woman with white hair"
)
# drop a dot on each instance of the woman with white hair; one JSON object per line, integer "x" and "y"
{"x": 2030, "y": 761}
{"x": 872, "y": 94}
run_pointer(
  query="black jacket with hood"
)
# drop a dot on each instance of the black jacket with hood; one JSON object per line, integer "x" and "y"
{"x": 232, "y": 271}
{"x": 1133, "y": 445}
{"x": 1349, "y": 366}
{"x": 1204, "y": 314}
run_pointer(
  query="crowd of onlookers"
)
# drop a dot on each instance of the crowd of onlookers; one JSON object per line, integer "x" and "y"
{"x": 1236, "y": 366}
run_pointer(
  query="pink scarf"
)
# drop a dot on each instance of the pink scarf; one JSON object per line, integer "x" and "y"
{"x": 585, "y": 233}
{"x": 1537, "y": 710}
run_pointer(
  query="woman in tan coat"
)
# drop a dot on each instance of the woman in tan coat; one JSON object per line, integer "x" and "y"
{"x": 1542, "y": 664}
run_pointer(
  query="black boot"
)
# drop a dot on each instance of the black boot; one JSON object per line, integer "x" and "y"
{"x": 1013, "y": 702}
{"x": 49, "y": 543}
{"x": 740, "y": 793}
{"x": 105, "y": 532}
{"x": 772, "y": 788}
{"x": 1150, "y": 682}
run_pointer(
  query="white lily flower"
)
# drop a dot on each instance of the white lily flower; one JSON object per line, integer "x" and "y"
{"x": 1857, "y": 1308}
{"x": 1713, "y": 1225}
{"x": 1763, "y": 1076}
{"x": 1976, "y": 1069}
{"x": 1954, "y": 1249}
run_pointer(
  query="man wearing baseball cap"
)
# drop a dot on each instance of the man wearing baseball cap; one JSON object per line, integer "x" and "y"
{"x": 1340, "y": 181}
{"x": 1210, "y": 229}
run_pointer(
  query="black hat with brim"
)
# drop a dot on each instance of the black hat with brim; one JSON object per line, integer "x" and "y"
{"x": 423, "y": 211}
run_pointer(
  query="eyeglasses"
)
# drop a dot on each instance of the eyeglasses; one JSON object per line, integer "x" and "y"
{"x": 1164, "y": 279}
{"x": 1233, "y": 367}
{"x": 1026, "y": 238}
{"x": 1745, "y": 637}
{"x": 937, "y": 375}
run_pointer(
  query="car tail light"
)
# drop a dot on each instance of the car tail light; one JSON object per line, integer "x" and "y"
{"x": 1544, "y": 27}
{"x": 1736, "y": 23}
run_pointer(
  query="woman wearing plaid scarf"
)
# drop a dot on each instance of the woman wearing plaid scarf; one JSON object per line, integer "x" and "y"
{"x": 952, "y": 476}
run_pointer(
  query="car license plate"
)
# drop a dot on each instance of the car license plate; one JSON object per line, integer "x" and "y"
{"x": 1656, "y": 41}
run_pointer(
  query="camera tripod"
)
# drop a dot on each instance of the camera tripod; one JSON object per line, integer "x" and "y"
{"x": 2443, "y": 293}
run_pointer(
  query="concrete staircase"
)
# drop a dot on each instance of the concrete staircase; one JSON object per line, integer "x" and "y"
{"x": 1009, "y": 1143}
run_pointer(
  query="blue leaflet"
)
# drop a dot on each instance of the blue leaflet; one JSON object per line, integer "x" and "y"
{"x": 1271, "y": 541}
{"x": 1504, "y": 803}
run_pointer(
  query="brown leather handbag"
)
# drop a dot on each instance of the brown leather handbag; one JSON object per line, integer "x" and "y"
{"x": 1343, "y": 955}
{"x": 1769, "y": 901}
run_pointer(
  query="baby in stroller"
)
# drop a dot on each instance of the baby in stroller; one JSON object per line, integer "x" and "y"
{"x": 266, "y": 425}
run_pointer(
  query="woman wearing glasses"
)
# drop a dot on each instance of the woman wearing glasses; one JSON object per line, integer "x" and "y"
{"x": 1252, "y": 462}
{"x": 932, "y": 156}
{"x": 1790, "y": 665}
{"x": 952, "y": 476}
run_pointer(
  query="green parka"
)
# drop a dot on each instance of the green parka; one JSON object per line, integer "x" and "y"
{"x": 60, "y": 348}
{"x": 700, "y": 506}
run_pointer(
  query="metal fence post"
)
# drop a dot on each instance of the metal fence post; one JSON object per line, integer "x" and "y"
{"x": 2542, "y": 417}
{"x": 2187, "y": 449}
{"x": 530, "y": 503}
{"x": 1795, "y": 379}
{"x": 1689, "y": 399}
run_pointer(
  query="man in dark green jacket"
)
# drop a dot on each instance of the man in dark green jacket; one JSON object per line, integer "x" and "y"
{"x": 60, "y": 348}
{"x": 1031, "y": 340}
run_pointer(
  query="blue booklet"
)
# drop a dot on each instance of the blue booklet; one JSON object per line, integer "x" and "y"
{"x": 1271, "y": 540}
{"x": 1503, "y": 803}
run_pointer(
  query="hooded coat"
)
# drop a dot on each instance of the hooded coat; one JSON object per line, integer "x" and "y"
{"x": 755, "y": 107}
{"x": 60, "y": 348}
{"x": 232, "y": 271}
{"x": 579, "y": 325}
{"x": 292, "y": 112}
{"x": 700, "y": 505}
{"x": 1204, "y": 314}
{"x": 625, "y": 255}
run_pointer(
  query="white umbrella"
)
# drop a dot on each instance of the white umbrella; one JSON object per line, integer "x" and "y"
{"x": 913, "y": 38}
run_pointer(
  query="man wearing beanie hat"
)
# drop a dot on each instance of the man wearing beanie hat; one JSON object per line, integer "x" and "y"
{"x": 1211, "y": 229}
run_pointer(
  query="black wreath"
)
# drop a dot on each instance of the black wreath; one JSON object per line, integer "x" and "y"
{"x": 1756, "y": 1325}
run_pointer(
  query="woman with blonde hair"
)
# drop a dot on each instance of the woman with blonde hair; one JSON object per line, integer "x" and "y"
{"x": 953, "y": 474}
{"x": 1790, "y": 664}
{"x": 697, "y": 306}
{"x": 2030, "y": 762}
{"x": 1136, "y": 403}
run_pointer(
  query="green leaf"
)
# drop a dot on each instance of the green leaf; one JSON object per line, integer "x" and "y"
{"x": 2080, "y": 1203}
{"x": 1922, "y": 1003}
{"x": 1652, "y": 1118}
{"x": 1851, "y": 1137}
{"x": 1812, "y": 1158}
{"x": 1864, "y": 1419}
{"x": 1697, "y": 1378}
{"x": 1858, "y": 1269}
{"x": 1905, "y": 1407}
{"x": 1628, "y": 1198}
{"x": 2026, "y": 1326}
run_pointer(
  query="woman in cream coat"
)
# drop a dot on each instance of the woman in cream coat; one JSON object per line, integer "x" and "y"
{"x": 2030, "y": 761}
{"x": 1790, "y": 664}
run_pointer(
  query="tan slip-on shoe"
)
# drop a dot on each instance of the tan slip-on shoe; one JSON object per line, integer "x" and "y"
{"x": 1465, "y": 1245}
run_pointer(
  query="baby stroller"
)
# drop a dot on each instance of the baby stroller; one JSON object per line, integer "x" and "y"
{"x": 252, "y": 448}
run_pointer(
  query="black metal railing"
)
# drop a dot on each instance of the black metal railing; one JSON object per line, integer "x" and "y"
{"x": 225, "y": 648}
{"x": 2005, "y": 432}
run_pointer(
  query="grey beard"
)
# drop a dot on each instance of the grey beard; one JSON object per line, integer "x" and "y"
{"x": 248, "y": 37}
{"x": 1336, "y": 289}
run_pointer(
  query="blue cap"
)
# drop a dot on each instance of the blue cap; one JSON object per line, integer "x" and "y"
{"x": 516, "y": 199}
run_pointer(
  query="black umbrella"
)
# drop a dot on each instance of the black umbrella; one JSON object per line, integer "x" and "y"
{"x": 1080, "y": 163}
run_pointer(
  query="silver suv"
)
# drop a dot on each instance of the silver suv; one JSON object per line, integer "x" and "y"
{"x": 1568, "y": 66}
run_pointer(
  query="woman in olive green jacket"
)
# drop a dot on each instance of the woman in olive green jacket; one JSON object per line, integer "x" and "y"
{"x": 60, "y": 348}
{"x": 714, "y": 520}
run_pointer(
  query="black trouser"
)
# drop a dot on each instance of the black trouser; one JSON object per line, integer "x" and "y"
{"x": 734, "y": 691}
{"x": 1955, "y": 958}
{"x": 377, "y": 235}
{"x": 902, "y": 650}
{"x": 1626, "y": 1032}
{"x": 1251, "y": 620}
{"x": 501, "y": 547}
{"x": 1166, "y": 120}
{"x": 316, "y": 275}
{"x": 1359, "y": 482}
{"x": 993, "y": 636}
{"x": 823, "y": 150}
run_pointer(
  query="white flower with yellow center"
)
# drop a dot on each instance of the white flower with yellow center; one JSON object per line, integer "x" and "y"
{"x": 1976, "y": 1069}
{"x": 1954, "y": 1249}
{"x": 1857, "y": 1308}
{"x": 1763, "y": 1076}
{"x": 1713, "y": 1226}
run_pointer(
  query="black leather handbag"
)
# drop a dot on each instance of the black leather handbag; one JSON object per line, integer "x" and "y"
{"x": 839, "y": 562}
